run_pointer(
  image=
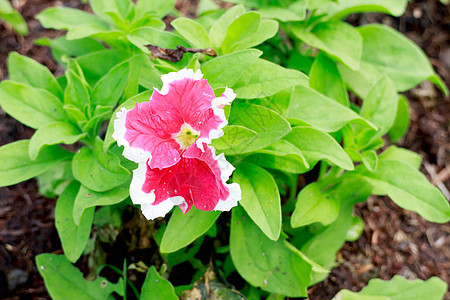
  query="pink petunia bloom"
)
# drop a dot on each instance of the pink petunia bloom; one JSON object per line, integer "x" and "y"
{"x": 168, "y": 136}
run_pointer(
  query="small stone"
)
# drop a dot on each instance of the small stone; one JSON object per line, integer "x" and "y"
{"x": 15, "y": 278}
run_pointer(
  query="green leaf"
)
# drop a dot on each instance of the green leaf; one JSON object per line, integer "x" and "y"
{"x": 285, "y": 14}
{"x": 221, "y": 71}
{"x": 257, "y": 128}
{"x": 28, "y": 71}
{"x": 129, "y": 104}
{"x": 16, "y": 165}
{"x": 404, "y": 155}
{"x": 241, "y": 29}
{"x": 73, "y": 237}
{"x": 398, "y": 288}
{"x": 13, "y": 17}
{"x": 323, "y": 246}
{"x": 31, "y": 106}
{"x": 51, "y": 134}
{"x": 162, "y": 7}
{"x": 355, "y": 230}
{"x": 265, "y": 263}
{"x": 103, "y": 8}
{"x": 61, "y": 46}
{"x": 370, "y": 159}
{"x": 314, "y": 205}
{"x": 260, "y": 198}
{"x": 402, "y": 120}
{"x": 155, "y": 287}
{"x": 322, "y": 112}
{"x": 148, "y": 35}
{"x": 317, "y": 145}
{"x": 77, "y": 91}
{"x": 64, "y": 281}
{"x": 380, "y": 105}
{"x": 218, "y": 30}
{"x": 87, "y": 198}
{"x": 408, "y": 188}
{"x": 340, "y": 40}
{"x": 324, "y": 77}
{"x": 110, "y": 87}
{"x": 263, "y": 78}
{"x": 192, "y": 31}
{"x": 66, "y": 18}
{"x": 281, "y": 155}
{"x": 97, "y": 170}
{"x": 388, "y": 52}
{"x": 96, "y": 64}
{"x": 342, "y": 8}
{"x": 194, "y": 224}
{"x": 266, "y": 30}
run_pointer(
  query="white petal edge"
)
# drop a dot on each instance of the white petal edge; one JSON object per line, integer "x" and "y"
{"x": 134, "y": 154}
{"x": 217, "y": 105}
{"x": 232, "y": 200}
{"x": 174, "y": 76}
{"x": 139, "y": 197}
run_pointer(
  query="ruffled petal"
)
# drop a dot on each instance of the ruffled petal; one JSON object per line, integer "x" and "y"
{"x": 198, "y": 180}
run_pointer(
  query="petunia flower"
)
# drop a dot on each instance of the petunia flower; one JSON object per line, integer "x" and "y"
{"x": 184, "y": 113}
{"x": 198, "y": 179}
{"x": 168, "y": 136}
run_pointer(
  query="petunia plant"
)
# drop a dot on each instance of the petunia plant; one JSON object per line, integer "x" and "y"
{"x": 248, "y": 109}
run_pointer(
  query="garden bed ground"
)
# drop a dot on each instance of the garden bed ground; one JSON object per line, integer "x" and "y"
{"x": 394, "y": 241}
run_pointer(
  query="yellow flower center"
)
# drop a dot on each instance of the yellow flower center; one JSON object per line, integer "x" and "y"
{"x": 186, "y": 136}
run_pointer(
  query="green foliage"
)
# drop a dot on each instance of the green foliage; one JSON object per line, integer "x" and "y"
{"x": 398, "y": 288}
{"x": 292, "y": 65}
{"x": 12, "y": 17}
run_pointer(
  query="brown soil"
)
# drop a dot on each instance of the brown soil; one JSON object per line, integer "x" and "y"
{"x": 394, "y": 241}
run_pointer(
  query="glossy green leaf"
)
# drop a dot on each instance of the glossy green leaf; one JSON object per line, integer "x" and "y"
{"x": 317, "y": 145}
{"x": 162, "y": 7}
{"x": 323, "y": 246}
{"x": 260, "y": 198}
{"x": 338, "y": 39}
{"x": 257, "y": 128}
{"x": 103, "y": 8}
{"x": 97, "y": 170}
{"x": 266, "y": 30}
{"x": 96, "y": 64}
{"x": 342, "y": 8}
{"x": 241, "y": 29}
{"x": 263, "y": 78}
{"x": 388, "y": 52}
{"x": 86, "y": 199}
{"x": 13, "y": 17}
{"x": 51, "y": 134}
{"x": 281, "y": 155}
{"x": 76, "y": 92}
{"x": 73, "y": 237}
{"x": 408, "y": 188}
{"x": 129, "y": 104}
{"x": 64, "y": 281}
{"x": 380, "y": 105}
{"x": 321, "y": 112}
{"x": 31, "y": 106}
{"x": 221, "y": 71}
{"x": 110, "y": 87}
{"x": 192, "y": 31}
{"x": 28, "y": 71}
{"x": 370, "y": 159}
{"x": 218, "y": 30}
{"x": 404, "y": 155}
{"x": 155, "y": 287}
{"x": 265, "y": 263}
{"x": 194, "y": 224}
{"x": 148, "y": 35}
{"x": 355, "y": 230}
{"x": 324, "y": 77}
{"x": 285, "y": 14}
{"x": 402, "y": 120}
{"x": 16, "y": 165}
{"x": 314, "y": 204}
{"x": 70, "y": 18}
{"x": 398, "y": 288}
